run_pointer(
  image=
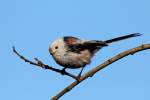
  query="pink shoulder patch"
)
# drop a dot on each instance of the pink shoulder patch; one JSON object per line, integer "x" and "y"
{"x": 71, "y": 41}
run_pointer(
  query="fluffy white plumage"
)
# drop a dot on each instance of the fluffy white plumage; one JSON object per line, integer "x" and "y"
{"x": 72, "y": 52}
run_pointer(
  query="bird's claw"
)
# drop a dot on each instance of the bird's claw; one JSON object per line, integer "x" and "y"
{"x": 63, "y": 71}
{"x": 77, "y": 78}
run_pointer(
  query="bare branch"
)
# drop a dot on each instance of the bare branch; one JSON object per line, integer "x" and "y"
{"x": 42, "y": 65}
{"x": 101, "y": 66}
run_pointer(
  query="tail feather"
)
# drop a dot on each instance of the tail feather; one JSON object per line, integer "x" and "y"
{"x": 95, "y": 43}
{"x": 123, "y": 37}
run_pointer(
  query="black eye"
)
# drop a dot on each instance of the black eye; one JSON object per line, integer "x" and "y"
{"x": 56, "y": 47}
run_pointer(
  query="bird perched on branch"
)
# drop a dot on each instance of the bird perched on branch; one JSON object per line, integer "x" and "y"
{"x": 72, "y": 52}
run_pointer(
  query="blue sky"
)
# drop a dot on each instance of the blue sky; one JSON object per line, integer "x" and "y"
{"x": 32, "y": 25}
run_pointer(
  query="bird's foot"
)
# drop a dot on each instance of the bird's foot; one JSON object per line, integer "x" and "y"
{"x": 79, "y": 75}
{"x": 77, "y": 78}
{"x": 63, "y": 71}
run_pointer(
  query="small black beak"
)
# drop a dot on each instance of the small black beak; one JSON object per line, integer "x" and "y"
{"x": 51, "y": 53}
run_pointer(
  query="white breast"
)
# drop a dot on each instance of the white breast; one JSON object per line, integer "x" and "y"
{"x": 73, "y": 60}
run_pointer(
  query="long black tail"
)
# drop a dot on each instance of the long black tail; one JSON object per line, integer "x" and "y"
{"x": 123, "y": 37}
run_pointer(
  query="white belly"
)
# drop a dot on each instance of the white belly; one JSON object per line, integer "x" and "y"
{"x": 74, "y": 60}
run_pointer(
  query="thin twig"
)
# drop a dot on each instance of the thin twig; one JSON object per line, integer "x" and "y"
{"x": 42, "y": 65}
{"x": 98, "y": 68}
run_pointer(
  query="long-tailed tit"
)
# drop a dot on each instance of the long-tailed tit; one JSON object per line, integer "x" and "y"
{"x": 72, "y": 52}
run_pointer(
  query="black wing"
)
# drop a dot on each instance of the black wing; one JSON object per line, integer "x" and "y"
{"x": 92, "y": 46}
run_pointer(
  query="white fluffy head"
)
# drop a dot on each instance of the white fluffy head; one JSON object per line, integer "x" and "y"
{"x": 57, "y": 47}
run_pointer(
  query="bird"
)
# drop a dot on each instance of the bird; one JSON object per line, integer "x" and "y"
{"x": 72, "y": 52}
